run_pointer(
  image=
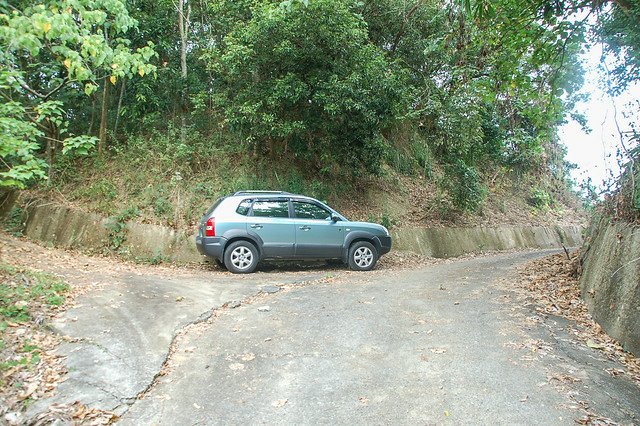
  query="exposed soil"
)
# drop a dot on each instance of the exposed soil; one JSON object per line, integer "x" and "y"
{"x": 415, "y": 201}
{"x": 395, "y": 200}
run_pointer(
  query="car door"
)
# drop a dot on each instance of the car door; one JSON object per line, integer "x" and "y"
{"x": 269, "y": 219}
{"x": 317, "y": 236}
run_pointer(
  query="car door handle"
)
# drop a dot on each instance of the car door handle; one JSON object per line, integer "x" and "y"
{"x": 305, "y": 228}
{"x": 256, "y": 226}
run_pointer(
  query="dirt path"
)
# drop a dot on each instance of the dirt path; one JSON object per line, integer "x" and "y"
{"x": 414, "y": 342}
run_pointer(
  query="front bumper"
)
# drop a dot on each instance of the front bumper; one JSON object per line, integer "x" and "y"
{"x": 211, "y": 246}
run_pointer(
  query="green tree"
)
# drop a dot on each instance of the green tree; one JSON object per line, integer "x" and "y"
{"x": 51, "y": 51}
{"x": 620, "y": 31}
{"x": 490, "y": 92}
{"x": 301, "y": 78}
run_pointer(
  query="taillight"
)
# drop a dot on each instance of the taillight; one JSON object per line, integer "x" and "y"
{"x": 210, "y": 230}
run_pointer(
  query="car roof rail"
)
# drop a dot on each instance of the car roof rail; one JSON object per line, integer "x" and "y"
{"x": 262, "y": 192}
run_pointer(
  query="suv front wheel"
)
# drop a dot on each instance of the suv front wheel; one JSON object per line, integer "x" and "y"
{"x": 241, "y": 257}
{"x": 362, "y": 256}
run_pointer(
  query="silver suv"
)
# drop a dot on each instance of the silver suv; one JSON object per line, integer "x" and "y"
{"x": 242, "y": 229}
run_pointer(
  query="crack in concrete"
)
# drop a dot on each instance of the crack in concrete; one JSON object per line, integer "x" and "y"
{"x": 209, "y": 316}
{"x": 104, "y": 349}
{"x": 206, "y": 316}
{"x": 97, "y": 385}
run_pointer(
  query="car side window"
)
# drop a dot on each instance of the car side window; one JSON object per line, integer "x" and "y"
{"x": 270, "y": 208}
{"x": 310, "y": 211}
{"x": 243, "y": 207}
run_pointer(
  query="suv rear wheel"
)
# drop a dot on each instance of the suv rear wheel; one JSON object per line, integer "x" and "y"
{"x": 362, "y": 256}
{"x": 241, "y": 257}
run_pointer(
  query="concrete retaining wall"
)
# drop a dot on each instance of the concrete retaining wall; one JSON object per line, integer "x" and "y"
{"x": 452, "y": 242}
{"x": 67, "y": 227}
{"x": 610, "y": 281}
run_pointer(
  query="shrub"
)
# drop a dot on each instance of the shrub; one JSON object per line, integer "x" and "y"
{"x": 540, "y": 199}
{"x": 463, "y": 185}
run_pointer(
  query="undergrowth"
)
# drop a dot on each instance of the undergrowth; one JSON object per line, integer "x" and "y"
{"x": 28, "y": 369}
{"x": 13, "y": 221}
{"x": 22, "y": 290}
{"x": 152, "y": 180}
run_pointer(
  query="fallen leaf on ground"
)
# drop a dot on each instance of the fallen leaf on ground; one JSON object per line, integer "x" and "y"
{"x": 27, "y": 393}
{"x": 236, "y": 366}
{"x": 551, "y": 282}
{"x": 280, "y": 402}
{"x": 248, "y": 357}
{"x": 594, "y": 345}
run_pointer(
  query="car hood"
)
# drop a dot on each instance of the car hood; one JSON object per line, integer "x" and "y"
{"x": 367, "y": 226}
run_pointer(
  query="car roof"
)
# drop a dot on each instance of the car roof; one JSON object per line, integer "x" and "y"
{"x": 260, "y": 192}
{"x": 269, "y": 194}
{"x": 231, "y": 200}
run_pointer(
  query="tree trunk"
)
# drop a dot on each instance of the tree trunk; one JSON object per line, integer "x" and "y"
{"x": 102, "y": 135}
{"x": 184, "y": 12}
{"x": 53, "y": 137}
{"x": 183, "y": 28}
{"x": 115, "y": 126}
{"x": 93, "y": 113}
{"x": 404, "y": 22}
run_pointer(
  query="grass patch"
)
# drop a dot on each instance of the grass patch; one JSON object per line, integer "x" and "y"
{"x": 28, "y": 370}
{"x": 23, "y": 292}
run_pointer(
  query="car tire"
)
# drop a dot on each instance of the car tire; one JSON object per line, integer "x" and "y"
{"x": 241, "y": 257}
{"x": 362, "y": 256}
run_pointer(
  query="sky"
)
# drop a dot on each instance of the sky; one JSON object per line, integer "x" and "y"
{"x": 595, "y": 153}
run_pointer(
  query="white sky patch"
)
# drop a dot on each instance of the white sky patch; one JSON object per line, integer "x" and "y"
{"x": 595, "y": 152}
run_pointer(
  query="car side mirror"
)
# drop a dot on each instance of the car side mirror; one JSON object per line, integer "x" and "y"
{"x": 334, "y": 217}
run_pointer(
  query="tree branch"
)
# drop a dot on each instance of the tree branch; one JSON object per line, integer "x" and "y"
{"x": 404, "y": 22}
{"x": 26, "y": 87}
{"x": 60, "y": 86}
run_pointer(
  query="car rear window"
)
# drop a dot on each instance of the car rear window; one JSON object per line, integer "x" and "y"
{"x": 244, "y": 206}
{"x": 265, "y": 208}
{"x": 213, "y": 207}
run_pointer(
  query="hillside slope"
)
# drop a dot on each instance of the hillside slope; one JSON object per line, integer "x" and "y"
{"x": 148, "y": 192}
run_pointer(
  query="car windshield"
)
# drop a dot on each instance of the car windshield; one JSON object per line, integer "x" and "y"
{"x": 340, "y": 215}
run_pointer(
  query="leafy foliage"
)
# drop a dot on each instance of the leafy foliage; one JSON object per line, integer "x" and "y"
{"x": 620, "y": 30}
{"x": 321, "y": 92}
{"x": 117, "y": 227}
{"x": 464, "y": 186}
{"x": 455, "y": 93}
{"x": 51, "y": 49}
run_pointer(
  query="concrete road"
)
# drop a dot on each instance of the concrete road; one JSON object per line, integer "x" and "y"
{"x": 442, "y": 343}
